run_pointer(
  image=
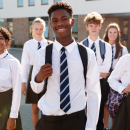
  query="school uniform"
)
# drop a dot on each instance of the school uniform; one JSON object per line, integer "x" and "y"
{"x": 29, "y": 51}
{"x": 53, "y": 117}
{"x": 124, "y": 51}
{"x": 118, "y": 81}
{"x": 103, "y": 67}
{"x": 10, "y": 90}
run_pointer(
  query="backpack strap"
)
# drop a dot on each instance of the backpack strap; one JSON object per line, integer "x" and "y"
{"x": 84, "y": 57}
{"x": 48, "y": 59}
{"x": 102, "y": 49}
{"x": 85, "y": 42}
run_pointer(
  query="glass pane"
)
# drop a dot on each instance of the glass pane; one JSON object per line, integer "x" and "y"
{"x": 75, "y": 27}
{"x": 44, "y": 1}
{"x": 20, "y": 2}
{"x": 2, "y": 22}
{"x": 75, "y": 35}
{"x": 46, "y": 31}
{"x": 126, "y": 23}
{"x": 31, "y": 2}
{"x": 125, "y": 32}
{"x": 1, "y": 4}
{"x": 30, "y": 29}
{"x": 54, "y": 36}
{"x": 56, "y": 0}
{"x": 10, "y": 23}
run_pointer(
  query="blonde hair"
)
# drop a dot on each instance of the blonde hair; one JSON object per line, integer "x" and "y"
{"x": 38, "y": 20}
{"x": 94, "y": 18}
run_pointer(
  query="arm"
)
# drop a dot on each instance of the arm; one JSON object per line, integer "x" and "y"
{"x": 105, "y": 66}
{"x": 93, "y": 93}
{"x": 117, "y": 74}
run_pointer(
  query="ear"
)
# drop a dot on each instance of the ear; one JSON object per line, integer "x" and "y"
{"x": 100, "y": 26}
{"x": 73, "y": 22}
{"x": 87, "y": 27}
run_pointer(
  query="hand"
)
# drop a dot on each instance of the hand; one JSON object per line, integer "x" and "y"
{"x": 24, "y": 90}
{"x": 127, "y": 89}
{"x": 104, "y": 75}
{"x": 11, "y": 124}
{"x": 44, "y": 72}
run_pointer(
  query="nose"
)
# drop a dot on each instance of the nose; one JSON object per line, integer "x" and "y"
{"x": 60, "y": 23}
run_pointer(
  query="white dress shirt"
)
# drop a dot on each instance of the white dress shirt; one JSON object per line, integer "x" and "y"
{"x": 120, "y": 73}
{"x": 124, "y": 52}
{"x": 29, "y": 50}
{"x": 10, "y": 77}
{"x": 49, "y": 103}
{"x": 103, "y": 66}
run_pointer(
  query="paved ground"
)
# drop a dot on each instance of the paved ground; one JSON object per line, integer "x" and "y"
{"x": 26, "y": 109}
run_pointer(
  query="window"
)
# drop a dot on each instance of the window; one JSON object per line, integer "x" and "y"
{"x": 31, "y": 2}
{"x": 30, "y": 26}
{"x": 75, "y": 27}
{"x": 10, "y": 25}
{"x": 56, "y": 0}
{"x": 1, "y": 4}
{"x": 54, "y": 36}
{"x": 125, "y": 29}
{"x": 46, "y": 33}
{"x": 20, "y": 3}
{"x": 2, "y": 22}
{"x": 44, "y": 2}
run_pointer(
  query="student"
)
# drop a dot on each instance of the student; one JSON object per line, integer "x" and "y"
{"x": 119, "y": 81}
{"x": 103, "y": 55}
{"x": 10, "y": 85}
{"x": 29, "y": 51}
{"x": 64, "y": 102}
{"x": 112, "y": 35}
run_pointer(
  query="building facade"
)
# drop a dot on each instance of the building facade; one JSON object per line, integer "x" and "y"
{"x": 17, "y": 17}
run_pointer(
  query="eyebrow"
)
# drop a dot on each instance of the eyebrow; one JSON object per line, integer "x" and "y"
{"x": 61, "y": 17}
{"x": 1, "y": 36}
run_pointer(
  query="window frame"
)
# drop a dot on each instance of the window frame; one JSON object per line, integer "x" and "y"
{"x": 30, "y": 19}
{"x": 43, "y": 3}
{"x": 56, "y": 1}
{"x": 18, "y": 4}
{"x": 10, "y": 20}
{"x": 76, "y": 38}
{"x": 29, "y": 3}
{"x": 2, "y": 5}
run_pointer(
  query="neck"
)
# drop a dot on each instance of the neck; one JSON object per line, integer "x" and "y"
{"x": 93, "y": 38}
{"x": 65, "y": 41}
{"x": 39, "y": 38}
{"x": 112, "y": 42}
{"x": 2, "y": 51}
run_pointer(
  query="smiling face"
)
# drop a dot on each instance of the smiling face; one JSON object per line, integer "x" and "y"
{"x": 61, "y": 23}
{"x": 112, "y": 34}
{"x": 2, "y": 43}
{"x": 93, "y": 29}
{"x": 38, "y": 30}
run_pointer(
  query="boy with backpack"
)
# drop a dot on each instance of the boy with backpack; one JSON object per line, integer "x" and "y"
{"x": 64, "y": 71}
{"x": 103, "y": 54}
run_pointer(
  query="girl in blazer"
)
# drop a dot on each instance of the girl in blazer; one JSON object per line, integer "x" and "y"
{"x": 112, "y": 36}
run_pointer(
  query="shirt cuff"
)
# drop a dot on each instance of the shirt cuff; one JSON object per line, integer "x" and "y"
{"x": 37, "y": 87}
{"x": 13, "y": 115}
{"x": 121, "y": 88}
{"x": 24, "y": 80}
{"x": 89, "y": 128}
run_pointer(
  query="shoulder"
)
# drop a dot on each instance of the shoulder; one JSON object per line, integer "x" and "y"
{"x": 124, "y": 48}
{"x": 106, "y": 43}
{"x": 27, "y": 43}
{"x": 84, "y": 40}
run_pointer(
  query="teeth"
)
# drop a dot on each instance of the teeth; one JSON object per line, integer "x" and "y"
{"x": 61, "y": 29}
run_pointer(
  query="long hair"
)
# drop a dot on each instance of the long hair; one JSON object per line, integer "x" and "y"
{"x": 38, "y": 20}
{"x": 119, "y": 46}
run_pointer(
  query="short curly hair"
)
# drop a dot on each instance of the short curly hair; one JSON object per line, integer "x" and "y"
{"x": 7, "y": 36}
{"x": 94, "y": 18}
{"x": 60, "y": 5}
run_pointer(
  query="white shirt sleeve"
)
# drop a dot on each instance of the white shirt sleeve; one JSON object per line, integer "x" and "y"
{"x": 16, "y": 95}
{"x": 117, "y": 74}
{"x": 25, "y": 63}
{"x": 93, "y": 92}
{"x": 125, "y": 51}
{"x": 105, "y": 66}
{"x": 38, "y": 62}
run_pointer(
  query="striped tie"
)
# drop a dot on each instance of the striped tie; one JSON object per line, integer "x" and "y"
{"x": 39, "y": 45}
{"x": 64, "y": 82}
{"x": 93, "y": 48}
{"x": 112, "y": 57}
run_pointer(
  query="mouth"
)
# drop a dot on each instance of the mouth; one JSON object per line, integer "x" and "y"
{"x": 61, "y": 29}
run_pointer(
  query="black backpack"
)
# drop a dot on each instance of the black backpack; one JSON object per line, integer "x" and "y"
{"x": 102, "y": 47}
{"x": 83, "y": 55}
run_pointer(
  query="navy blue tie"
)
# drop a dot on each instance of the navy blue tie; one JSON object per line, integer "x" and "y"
{"x": 112, "y": 57}
{"x": 64, "y": 82}
{"x": 93, "y": 48}
{"x": 39, "y": 45}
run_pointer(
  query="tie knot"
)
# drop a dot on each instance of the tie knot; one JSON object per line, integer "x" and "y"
{"x": 63, "y": 49}
{"x": 38, "y": 43}
{"x": 112, "y": 47}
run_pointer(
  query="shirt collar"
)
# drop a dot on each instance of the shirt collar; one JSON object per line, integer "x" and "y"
{"x": 91, "y": 42}
{"x": 42, "y": 41}
{"x": 69, "y": 48}
{"x": 3, "y": 54}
